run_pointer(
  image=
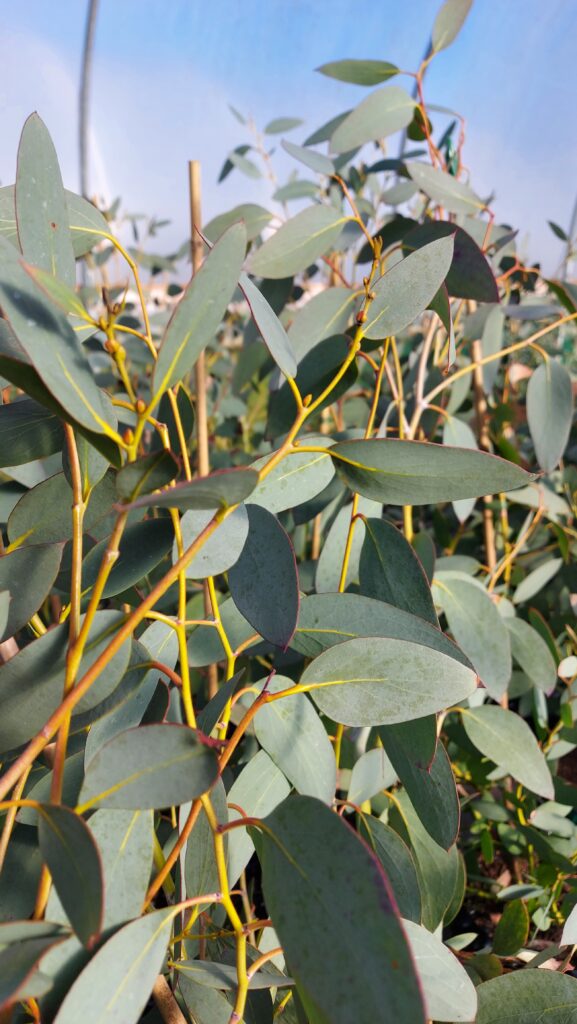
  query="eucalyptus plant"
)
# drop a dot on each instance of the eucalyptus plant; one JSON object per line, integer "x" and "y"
{"x": 292, "y": 739}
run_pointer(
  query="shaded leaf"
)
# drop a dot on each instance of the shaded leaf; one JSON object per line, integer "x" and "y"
{"x": 19, "y": 977}
{"x": 397, "y": 863}
{"x": 264, "y": 582}
{"x": 512, "y": 929}
{"x": 43, "y": 516}
{"x": 219, "y": 489}
{"x": 38, "y": 565}
{"x": 146, "y": 474}
{"x": 307, "y": 853}
{"x": 71, "y": 855}
{"x": 390, "y": 571}
{"x": 200, "y": 870}
{"x": 270, "y": 327}
{"x": 259, "y": 788}
{"x": 27, "y": 432}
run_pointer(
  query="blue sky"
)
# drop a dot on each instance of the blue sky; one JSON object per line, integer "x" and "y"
{"x": 165, "y": 71}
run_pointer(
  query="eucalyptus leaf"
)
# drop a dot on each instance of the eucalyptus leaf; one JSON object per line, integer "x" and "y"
{"x": 359, "y": 72}
{"x": 72, "y": 857}
{"x": 298, "y": 243}
{"x": 382, "y": 113}
{"x": 406, "y": 290}
{"x": 390, "y": 571}
{"x": 529, "y": 996}
{"x": 507, "y": 740}
{"x": 550, "y": 406}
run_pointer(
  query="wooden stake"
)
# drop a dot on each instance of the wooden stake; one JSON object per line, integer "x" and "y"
{"x": 485, "y": 444}
{"x": 202, "y": 462}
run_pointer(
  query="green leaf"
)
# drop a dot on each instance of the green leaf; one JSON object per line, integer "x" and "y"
{"x": 264, "y": 581}
{"x": 28, "y": 432}
{"x": 420, "y": 473}
{"x": 116, "y": 984}
{"x": 200, "y": 870}
{"x": 224, "y": 976}
{"x": 536, "y": 580}
{"x": 19, "y": 976}
{"x": 405, "y": 291}
{"x": 93, "y": 465}
{"x": 430, "y": 785}
{"x": 293, "y": 481}
{"x": 146, "y": 474}
{"x": 259, "y": 788}
{"x": 294, "y": 737}
{"x": 550, "y": 411}
{"x": 71, "y": 855}
{"x": 397, "y": 863}
{"x": 449, "y": 993}
{"x": 477, "y": 627}
{"x": 41, "y": 213}
{"x": 222, "y": 488}
{"x": 506, "y": 739}
{"x": 142, "y": 546}
{"x": 316, "y": 874}
{"x": 125, "y": 841}
{"x": 51, "y": 346}
{"x": 390, "y": 571}
{"x": 531, "y": 997}
{"x": 197, "y": 316}
{"x": 207, "y": 1005}
{"x": 85, "y": 221}
{"x": 270, "y": 328}
{"x": 512, "y": 929}
{"x": 61, "y": 294}
{"x": 449, "y": 22}
{"x": 223, "y": 547}
{"x": 372, "y": 773}
{"x": 531, "y": 652}
{"x": 152, "y": 766}
{"x": 316, "y": 371}
{"x": 385, "y": 682}
{"x": 330, "y": 563}
{"x": 32, "y": 682}
{"x": 316, "y": 161}
{"x": 359, "y": 72}
{"x": 492, "y": 342}
{"x": 42, "y": 516}
{"x": 569, "y": 936}
{"x": 298, "y": 243}
{"x": 38, "y": 565}
{"x": 328, "y": 619}
{"x": 470, "y": 275}
{"x": 326, "y": 314}
{"x": 255, "y": 219}
{"x": 282, "y": 124}
{"x": 324, "y": 133}
{"x": 382, "y": 113}
{"x": 442, "y": 188}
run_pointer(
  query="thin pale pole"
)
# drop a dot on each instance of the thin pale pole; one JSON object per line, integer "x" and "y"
{"x": 83, "y": 125}
{"x": 202, "y": 463}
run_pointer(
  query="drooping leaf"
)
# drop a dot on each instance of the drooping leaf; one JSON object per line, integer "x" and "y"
{"x": 316, "y": 161}
{"x": 390, "y": 571}
{"x": 41, "y": 213}
{"x": 115, "y": 985}
{"x": 382, "y": 113}
{"x": 506, "y": 739}
{"x": 492, "y": 342}
{"x": 430, "y": 786}
{"x": 405, "y": 291}
{"x": 264, "y": 581}
{"x": 448, "y": 24}
{"x": 259, "y": 788}
{"x": 459, "y": 434}
{"x": 532, "y": 997}
{"x": 221, "y": 550}
{"x": 271, "y": 330}
{"x": 294, "y": 737}
{"x": 223, "y": 487}
{"x": 224, "y": 976}
{"x": 448, "y": 992}
{"x": 200, "y": 870}
{"x": 421, "y": 473}
{"x": 536, "y": 580}
{"x": 477, "y": 627}
{"x": 359, "y": 72}
{"x": 443, "y": 188}
{"x": 298, "y": 243}
{"x": 397, "y": 863}
{"x": 71, "y": 855}
{"x": 32, "y": 682}
{"x": 384, "y": 682}
{"x": 531, "y": 652}
{"x": 550, "y": 411}
{"x": 323, "y": 316}
{"x": 306, "y": 854}
{"x": 38, "y": 565}
{"x": 200, "y": 311}
{"x": 19, "y": 976}
{"x": 51, "y": 346}
{"x": 152, "y": 766}
{"x": 27, "y": 432}
{"x": 512, "y": 929}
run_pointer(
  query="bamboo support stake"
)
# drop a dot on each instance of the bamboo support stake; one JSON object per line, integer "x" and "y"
{"x": 485, "y": 444}
{"x": 203, "y": 464}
